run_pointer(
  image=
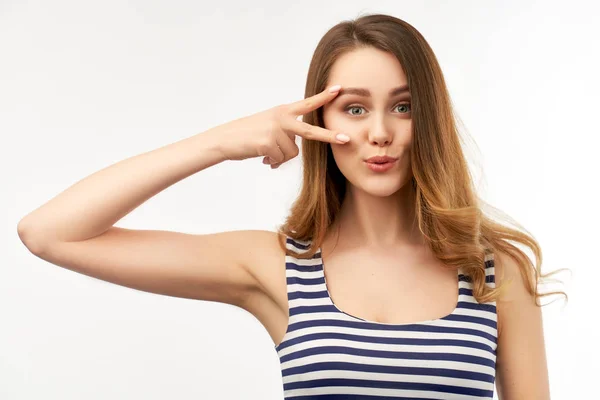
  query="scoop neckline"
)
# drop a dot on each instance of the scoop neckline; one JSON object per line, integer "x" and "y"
{"x": 388, "y": 324}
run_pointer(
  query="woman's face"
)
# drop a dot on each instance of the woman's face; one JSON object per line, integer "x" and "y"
{"x": 378, "y": 123}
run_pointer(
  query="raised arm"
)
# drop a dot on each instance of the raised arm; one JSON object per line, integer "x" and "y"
{"x": 75, "y": 229}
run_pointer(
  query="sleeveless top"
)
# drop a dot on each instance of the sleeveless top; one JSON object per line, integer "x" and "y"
{"x": 327, "y": 353}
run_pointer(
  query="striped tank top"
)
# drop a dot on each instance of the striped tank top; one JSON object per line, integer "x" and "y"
{"x": 329, "y": 354}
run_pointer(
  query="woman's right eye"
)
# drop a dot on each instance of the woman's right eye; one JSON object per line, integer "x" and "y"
{"x": 351, "y": 107}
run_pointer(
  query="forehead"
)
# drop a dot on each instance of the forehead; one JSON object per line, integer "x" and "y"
{"x": 369, "y": 68}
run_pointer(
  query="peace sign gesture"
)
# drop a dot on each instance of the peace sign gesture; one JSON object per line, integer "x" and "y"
{"x": 271, "y": 133}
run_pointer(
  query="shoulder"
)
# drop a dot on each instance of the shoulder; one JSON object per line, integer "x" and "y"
{"x": 521, "y": 359}
{"x": 516, "y": 300}
{"x": 508, "y": 272}
{"x": 517, "y": 309}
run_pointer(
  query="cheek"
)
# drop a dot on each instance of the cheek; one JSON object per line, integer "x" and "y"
{"x": 345, "y": 156}
{"x": 406, "y": 133}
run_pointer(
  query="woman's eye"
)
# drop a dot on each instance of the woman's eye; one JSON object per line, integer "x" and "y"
{"x": 355, "y": 108}
{"x": 405, "y": 106}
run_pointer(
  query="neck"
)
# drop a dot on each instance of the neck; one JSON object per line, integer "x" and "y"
{"x": 378, "y": 222}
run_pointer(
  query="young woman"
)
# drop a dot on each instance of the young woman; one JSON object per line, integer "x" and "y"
{"x": 386, "y": 280}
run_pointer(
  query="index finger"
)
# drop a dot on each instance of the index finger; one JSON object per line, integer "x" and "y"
{"x": 313, "y": 132}
{"x": 311, "y": 103}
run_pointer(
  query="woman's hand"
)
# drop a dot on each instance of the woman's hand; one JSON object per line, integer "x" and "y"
{"x": 271, "y": 133}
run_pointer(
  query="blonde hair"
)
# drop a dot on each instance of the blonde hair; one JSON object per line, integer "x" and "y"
{"x": 447, "y": 208}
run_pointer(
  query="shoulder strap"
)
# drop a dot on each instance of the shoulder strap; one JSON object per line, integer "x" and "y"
{"x": 490, "y": 270}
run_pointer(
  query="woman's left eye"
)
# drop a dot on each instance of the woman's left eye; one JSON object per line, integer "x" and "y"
{"x": 405, "y": 105}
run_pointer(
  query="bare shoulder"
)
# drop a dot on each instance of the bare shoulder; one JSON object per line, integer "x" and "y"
{"x": 521, "y": 358}
{"x": 508, "y": 274}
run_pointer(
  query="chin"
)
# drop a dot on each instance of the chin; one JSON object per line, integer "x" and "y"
{"x": 381, "y": 188}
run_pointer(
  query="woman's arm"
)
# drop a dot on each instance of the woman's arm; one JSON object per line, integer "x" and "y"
{"x": 521, "y": 367}
{"x": 94, "y": 204}
{"x": 75, "y": 230}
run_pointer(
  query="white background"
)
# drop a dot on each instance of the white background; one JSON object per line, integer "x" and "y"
{"x": 86, "y": 84}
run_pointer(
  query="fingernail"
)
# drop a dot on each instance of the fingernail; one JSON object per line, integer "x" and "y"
{"x": 342, "y": 138}
{"x": 335, "y": 88}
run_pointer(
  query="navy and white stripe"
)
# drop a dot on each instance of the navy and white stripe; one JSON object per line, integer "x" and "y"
{"x": 329, "y": 354}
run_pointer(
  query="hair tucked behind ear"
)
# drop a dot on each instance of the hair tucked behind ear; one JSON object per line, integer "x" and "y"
{"x": 448, "y": 211}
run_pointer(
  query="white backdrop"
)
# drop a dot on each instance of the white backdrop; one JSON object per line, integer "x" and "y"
{"x": 86, "y": 84}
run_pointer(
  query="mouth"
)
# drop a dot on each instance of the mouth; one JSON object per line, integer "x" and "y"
{"x": 380, "y": 159}
{"x": 379, "y": 166}
{"x": 380, "y": 162}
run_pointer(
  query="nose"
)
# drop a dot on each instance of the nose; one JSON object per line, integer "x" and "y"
{"x": 380, "y": 135}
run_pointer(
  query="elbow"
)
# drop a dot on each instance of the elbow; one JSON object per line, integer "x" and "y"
{"x": 26, "y": 234}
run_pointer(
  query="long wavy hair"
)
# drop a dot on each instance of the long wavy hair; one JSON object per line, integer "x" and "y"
{"x": 447, "y": 209}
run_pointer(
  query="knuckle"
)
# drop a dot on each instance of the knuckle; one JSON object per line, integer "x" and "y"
{"x": 277, "y": 158}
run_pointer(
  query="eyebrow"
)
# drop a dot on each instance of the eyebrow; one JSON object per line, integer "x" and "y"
{"x": 367, "y": 93}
